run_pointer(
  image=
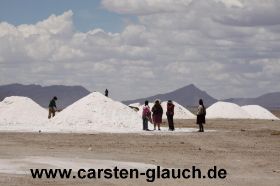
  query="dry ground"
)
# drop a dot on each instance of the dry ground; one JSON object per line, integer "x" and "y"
{"x": 248, "y": 149}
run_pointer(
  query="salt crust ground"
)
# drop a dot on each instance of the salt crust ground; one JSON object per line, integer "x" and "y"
{"x": 22, "y": 165}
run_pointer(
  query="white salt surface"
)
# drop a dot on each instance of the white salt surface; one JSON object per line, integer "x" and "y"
{"x": 94, "y": 113}
{"x": 23, "y": 165}
{"x": 97, "y": 113}
{"x": 226, "y": 110}
{"x": 138, "y": 105}
{"x": 258, "y": 112}
{"x": 180, "y": 112}
{"x": 177, "y": 131}
{"x": 23, "y": 112}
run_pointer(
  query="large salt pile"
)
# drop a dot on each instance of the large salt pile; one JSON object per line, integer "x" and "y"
{"x": 138, "y": 105}
{"x": 258, "y": 112}
{"x": 97, "y": 113}
{"x": 135, "y": 106}
{"x": 180, "y": 112}
{"x": 21, "y": 114}
{"x": 226, "y": 110}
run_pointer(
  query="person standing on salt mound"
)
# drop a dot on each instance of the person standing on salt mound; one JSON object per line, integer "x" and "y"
{"x": 52, "y": 107}
{"x": 106, "y": 92}
{"x": 170, "y": 113}
{"x": 201, "y": 112}
{"x": 157, "y": 114}
{"x": 146, "y": 115}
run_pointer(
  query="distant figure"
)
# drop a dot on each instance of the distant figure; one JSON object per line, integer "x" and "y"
{"x": 201, "y": 113}
{"x": 157, "y": 114}
{"x": 106, "y": 93}
{"x": 146, "y": 115}
{"x": 52, "y": 107}
{"x": 170, "y": 114}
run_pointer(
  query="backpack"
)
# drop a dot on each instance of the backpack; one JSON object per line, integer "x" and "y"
{"x": 146, "y": 112}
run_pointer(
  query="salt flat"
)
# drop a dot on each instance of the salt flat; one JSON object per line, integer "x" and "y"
{"x": 248, "y": 149}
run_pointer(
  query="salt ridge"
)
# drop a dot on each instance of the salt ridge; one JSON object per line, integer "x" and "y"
{"x": 97, "y": 113}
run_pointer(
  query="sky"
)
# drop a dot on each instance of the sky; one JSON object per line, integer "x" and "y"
{"x": 138, "y": 48}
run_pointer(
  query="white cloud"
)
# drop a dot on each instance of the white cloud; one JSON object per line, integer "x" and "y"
{"x": 231, "y": 3}
{"x": 217, "y": 44}
{"x": 145, "y": 6}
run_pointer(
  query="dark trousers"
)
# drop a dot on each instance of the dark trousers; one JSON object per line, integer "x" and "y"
{"x": 201, "y": 129}
{"x": 51, "y": 112}
{"x": 145, "y": 123}
{"x": 170, "y": 121}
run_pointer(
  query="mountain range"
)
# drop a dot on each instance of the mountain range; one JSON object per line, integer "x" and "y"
{"x": 270, "y": 100}
{"x": 186, "y": 96}
{"x": 42, "y": 95}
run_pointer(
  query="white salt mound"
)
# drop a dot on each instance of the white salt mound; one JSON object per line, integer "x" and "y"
{"x": 97, "y": 113}
{"x": 16, "y": 110}
{"x": 138, "y": 105}
{"x": 258, "y": 112}
{"x": 226, "y": 110}
{"x": 180, "y": 112}
{"x": 135, "y": 106}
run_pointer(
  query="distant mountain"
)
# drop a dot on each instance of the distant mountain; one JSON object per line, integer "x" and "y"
{"x": 42, "y": 95}
{"x": 186, "y": 96}
{"x": 270, "y": 100}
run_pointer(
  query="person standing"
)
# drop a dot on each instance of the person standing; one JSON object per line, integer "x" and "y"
{"x": 201, "y": 113}
{"x": 106, "y": 92}
{"x": 146, "y": 115}
{"x": 157, "y": 114}
{"x": 170, "y": 114}
{"x": 52, "y": 107}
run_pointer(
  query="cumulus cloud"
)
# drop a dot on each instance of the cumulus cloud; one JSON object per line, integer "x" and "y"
{"x": 145, "y": 6}
{"x": 227, "y": 47}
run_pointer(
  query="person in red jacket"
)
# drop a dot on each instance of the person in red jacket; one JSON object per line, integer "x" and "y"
{"x": 170, "y": 114}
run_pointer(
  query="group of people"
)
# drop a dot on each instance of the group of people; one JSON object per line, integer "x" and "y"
{"x": 154, "y": 115}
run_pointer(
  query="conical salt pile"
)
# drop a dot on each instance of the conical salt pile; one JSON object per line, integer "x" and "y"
{"x": 226, "y": 110}
{"x": 180, "y": 112}
{"x": 21, "y": 113}
{"x": 98, "y": 113}
{"x": 258, "y": 112}
{"x": 138, "y": 105}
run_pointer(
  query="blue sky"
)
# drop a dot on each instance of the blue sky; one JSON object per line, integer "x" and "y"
{"x": 88, "y": 14}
